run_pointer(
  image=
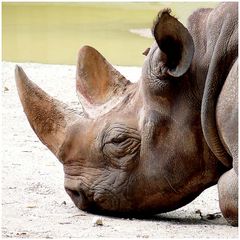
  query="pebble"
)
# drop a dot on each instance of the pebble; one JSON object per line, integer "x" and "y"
{"x": 97, "y": 221}
{"x": 6, "y": 89}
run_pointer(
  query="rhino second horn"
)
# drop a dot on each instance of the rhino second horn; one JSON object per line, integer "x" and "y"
{"x": 48, "y": 117}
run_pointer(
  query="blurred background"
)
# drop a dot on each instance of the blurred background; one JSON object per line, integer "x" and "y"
{"x": 54, "y": 32}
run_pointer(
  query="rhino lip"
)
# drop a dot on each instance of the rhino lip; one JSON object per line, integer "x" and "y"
{"x": 79, "y": 198}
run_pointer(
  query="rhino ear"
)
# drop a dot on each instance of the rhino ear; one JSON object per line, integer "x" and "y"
{"x": 97, "y": 81}
{"x": 175, "y": 41}
{"x": 48, "y": 117}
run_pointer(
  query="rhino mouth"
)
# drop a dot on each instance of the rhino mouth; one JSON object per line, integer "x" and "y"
{"x": 104, "y": 206}
{"x": 84, "y": 203}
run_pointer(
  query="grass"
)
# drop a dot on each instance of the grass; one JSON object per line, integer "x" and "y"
{"x": 53, "y": 32}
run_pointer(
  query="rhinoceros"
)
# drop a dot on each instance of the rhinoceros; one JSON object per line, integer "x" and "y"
{"x": 154, "y": 145}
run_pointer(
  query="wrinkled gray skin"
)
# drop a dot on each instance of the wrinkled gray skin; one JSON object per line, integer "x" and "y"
{"x": 155, "y": 145}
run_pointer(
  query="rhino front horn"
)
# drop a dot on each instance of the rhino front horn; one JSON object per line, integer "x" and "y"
{"x": 48, "y": 117}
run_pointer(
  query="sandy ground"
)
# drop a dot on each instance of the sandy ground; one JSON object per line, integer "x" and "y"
{"x": 143, "y": 32}
{"x": 34, "y": 202}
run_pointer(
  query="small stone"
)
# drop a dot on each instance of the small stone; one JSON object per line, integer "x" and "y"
{"x": 142, "y": 236}
{"x": 199, "y": 212}
{"x": 49, "y": 237}
{"x": 97, "y": 221}
{"x": 21, "y": 233}
{"x": 31, "y": 206}
{"x": 6, "y": 89}
{"x": 213, "y": 216}
{"x": 64, "y": 222}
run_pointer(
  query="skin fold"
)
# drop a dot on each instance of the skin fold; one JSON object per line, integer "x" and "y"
{"x": 155, "y": 145}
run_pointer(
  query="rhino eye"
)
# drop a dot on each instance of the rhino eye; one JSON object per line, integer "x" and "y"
{"x": 121, "y": 145}
{"x": 119, "y": 139}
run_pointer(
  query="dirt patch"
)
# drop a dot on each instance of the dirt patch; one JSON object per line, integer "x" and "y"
{"x": 34, "y": 202}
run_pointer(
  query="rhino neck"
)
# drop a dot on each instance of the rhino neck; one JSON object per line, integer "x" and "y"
{"x": 215, "y": 37}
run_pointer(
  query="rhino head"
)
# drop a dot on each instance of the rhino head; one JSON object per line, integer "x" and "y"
{"x": 136, "y": 147}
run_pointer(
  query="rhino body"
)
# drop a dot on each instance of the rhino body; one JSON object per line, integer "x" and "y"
{"x": 155, "y": 145}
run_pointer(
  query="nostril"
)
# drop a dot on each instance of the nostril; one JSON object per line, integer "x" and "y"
{"x": 75, "y": 193}
{"x": 72, "y": 193}
{"x": 78, "y": 197}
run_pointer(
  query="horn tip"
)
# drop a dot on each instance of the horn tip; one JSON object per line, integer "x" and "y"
{"x": 18, "y": 69}
{"x": 20, "y": 75}
{"x": 22, "y": 82}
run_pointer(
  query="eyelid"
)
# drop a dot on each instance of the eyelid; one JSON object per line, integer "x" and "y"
{"x": 119, "y": 133}
{"x": 118, "y": 140}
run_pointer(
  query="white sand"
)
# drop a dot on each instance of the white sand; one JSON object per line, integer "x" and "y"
{"x": 143, "y": 32}
{"x": 34, "y": 202}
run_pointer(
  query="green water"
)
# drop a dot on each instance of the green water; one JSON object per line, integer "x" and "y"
{"x": 54, "y": 32}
